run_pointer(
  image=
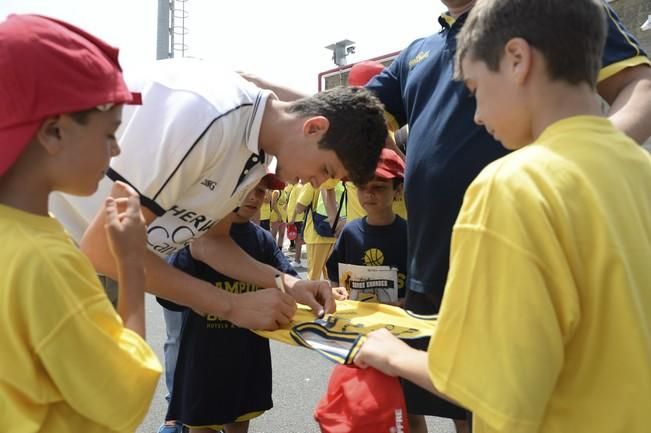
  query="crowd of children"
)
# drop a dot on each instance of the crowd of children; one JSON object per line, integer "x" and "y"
{"x": 529, "y": 226}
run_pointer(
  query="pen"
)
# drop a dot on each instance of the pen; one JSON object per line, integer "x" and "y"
{"x": 279, "y": 283}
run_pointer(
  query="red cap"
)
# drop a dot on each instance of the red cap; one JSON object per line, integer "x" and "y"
{"x": 273, "y": 181}
{"x": 49, "y": 67}
{"x": 362, "y": 72}
{"x": 362, "y": 401}
{"x": 390, "y": 165}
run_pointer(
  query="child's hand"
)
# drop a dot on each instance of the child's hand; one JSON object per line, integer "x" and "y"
{"x": 340, "y": 293}
{"x": 125, "y": 225}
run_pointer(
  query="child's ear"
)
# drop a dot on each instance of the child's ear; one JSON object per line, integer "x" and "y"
{"x": 49, "y": 135}
{"x": 517, "y": 59}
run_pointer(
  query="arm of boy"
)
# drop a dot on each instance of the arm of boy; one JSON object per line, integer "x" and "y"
{"x": 329, "y": 197}
{"x": 387, "y": 353}
{"x": 224, "y": 255}
{"x": 126, "y": 236}
{"x": 258, "y": 310}
{"x": 300, "y": 208}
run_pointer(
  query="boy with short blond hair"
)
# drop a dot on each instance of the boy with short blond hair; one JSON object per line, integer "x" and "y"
{"x": 61, "y": 96}
{"x": 546, "y": 315}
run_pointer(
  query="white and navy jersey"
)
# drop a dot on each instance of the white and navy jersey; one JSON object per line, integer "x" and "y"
{"x": 191, "y": 151}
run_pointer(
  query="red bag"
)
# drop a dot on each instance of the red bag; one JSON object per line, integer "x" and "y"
{"x": 362, "y": 401}
{"x": 292, "y": 232}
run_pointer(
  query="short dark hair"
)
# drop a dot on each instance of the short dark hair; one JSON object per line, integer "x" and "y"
{"x": 570, "y": 34}
{"x": 357, "y": 130}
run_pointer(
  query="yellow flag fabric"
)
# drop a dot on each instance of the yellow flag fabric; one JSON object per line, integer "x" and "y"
{"x": 339, "y": 336}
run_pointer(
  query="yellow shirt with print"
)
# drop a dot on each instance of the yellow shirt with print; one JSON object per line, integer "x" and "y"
{"x": 546, "y": 318}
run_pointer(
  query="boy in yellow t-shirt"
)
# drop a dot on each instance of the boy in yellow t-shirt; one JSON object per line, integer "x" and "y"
{"x": 318, "y": 247}
{"x": 296, "y": 218}
{"x": 278, "y": 216}
{"x": 546, "y": 317}
{"x": 69, "y": 363}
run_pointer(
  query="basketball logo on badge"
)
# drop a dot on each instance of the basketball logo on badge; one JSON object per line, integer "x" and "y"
{"x": 373, "y": 257}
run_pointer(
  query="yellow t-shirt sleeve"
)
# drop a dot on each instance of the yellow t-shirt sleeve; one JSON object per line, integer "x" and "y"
{"x": 306, "y": 196}
{"x": 105, "y": 372}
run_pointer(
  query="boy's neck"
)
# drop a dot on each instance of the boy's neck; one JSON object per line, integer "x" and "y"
{"x": 561, "y": 100}
{"x": 24, "y": 194}
{"x": 381, "y": 218}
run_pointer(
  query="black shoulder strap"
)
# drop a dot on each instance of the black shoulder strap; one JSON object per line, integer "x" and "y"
{"x": 341, "y": 204}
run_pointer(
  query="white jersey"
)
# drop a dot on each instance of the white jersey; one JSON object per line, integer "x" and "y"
{"x": 191, "y": 151}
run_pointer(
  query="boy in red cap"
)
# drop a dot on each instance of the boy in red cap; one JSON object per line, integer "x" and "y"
{"x": 61, "y": 97}
{"x": 380, "y": 238}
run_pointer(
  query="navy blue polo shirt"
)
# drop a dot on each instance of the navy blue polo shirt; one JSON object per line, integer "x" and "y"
{"x": 445, "y": 148}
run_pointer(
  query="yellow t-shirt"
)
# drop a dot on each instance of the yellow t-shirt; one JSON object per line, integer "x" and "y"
{"x": 265, "y": 209}
{"x": 66, "y": 362}
{"x": 280, "y": 197}
{"x": 291, "y": 203}
{"x": 310, "y": 195}
{"x": 546, "y": 320}
{"x": 354, "y": 209}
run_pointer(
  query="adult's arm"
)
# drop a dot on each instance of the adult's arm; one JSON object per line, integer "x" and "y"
{"x": 629, "y": 94}
{"x": 264, "y": 309}
{"x": 217, "y": 249}
{"x": 625, "y": 79}
{"x": 284, "y": 93}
